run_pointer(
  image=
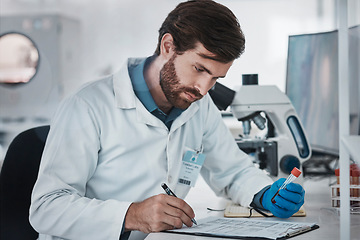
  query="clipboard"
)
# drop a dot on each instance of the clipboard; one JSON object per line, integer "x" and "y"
{"x": 234, "y": 210}
{"x": 246, "y": 228}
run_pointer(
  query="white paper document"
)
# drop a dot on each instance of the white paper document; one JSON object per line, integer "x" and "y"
{"x": 240, "y": 227}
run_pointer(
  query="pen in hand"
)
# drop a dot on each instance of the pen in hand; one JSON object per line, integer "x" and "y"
{"x": 171, "y": 193}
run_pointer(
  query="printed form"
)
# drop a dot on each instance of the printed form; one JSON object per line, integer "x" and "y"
{"x": 240, "y": 227}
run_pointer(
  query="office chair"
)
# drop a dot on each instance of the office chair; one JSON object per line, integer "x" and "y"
{"x": 17, "y": 178}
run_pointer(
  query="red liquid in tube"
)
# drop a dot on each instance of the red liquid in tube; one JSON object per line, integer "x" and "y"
{"x": 295, "y": 173}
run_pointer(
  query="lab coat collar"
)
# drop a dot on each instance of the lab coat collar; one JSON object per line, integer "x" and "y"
{"x": 123, "y": 90}
{"x": 125, "y": 98}
{"x": 185, "y": 116}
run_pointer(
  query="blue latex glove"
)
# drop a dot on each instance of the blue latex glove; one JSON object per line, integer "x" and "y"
{"x": 288, "y": 201}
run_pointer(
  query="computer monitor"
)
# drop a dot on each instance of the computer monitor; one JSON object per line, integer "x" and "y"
{"x": 312, "y": 86}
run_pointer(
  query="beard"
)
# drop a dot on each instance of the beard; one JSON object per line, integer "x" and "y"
{"x": 170, "y": 85}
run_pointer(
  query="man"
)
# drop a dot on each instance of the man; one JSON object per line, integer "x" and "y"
{"x": 114, "y": 142}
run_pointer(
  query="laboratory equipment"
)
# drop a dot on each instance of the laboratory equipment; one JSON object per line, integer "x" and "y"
{"x": 354, "y": 189}
{"x": 50, "y": 59}
{"x": 295, "y": 173}
{"x": 283, "y": 145}
{"x": 19, "y": 58}
{"x": 312, "y": 87}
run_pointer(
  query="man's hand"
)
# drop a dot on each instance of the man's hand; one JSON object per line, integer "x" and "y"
{"x": 288, "y": 201}
{"x": 158, "y": 213}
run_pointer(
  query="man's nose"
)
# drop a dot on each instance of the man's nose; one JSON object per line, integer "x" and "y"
{"x": 203, "y": 85}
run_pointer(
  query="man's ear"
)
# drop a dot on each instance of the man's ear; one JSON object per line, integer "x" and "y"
{"x": 167, "y": 47}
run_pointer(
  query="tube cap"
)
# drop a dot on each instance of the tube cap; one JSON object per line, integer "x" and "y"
{"x": 296, "y": 172}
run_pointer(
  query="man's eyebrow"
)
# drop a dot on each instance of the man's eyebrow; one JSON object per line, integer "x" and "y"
{"x": 207, "y": 57}
{"x": 203, "y": 67}
{"x": 207, "y": 70}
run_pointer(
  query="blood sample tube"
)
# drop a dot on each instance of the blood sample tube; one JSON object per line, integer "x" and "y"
{"x": 356, "y": 182}
{"x": 351, "y": 185}
{"x": 337, "y": 174}
{"x": 295, "y": 173}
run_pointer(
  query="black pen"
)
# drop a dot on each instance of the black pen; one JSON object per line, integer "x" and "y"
{"x": 171, "y": 193}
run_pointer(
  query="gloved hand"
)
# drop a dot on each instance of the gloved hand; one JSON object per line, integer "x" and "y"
{"x": 288, "y": 201}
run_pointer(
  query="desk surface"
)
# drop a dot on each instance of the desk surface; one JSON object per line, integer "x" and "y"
{"x": 317, "y": 205}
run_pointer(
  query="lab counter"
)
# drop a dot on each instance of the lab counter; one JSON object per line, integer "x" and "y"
{"x": 317, "y": 205}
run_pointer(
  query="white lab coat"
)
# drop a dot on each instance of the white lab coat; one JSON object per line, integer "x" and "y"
{"x": 105, "y": 150}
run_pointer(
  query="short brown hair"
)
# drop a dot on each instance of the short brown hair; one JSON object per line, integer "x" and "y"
{"x": 207, "y": 22}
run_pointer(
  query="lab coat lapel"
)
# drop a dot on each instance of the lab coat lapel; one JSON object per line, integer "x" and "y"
{"x": 125, "y": 98}
{"x": 185, "y": 116}
{"x": 144, "y": 116}
{"x": 123, "y": 90}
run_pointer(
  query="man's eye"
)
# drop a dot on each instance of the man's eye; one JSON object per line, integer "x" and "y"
{"x": 199, "y": 69}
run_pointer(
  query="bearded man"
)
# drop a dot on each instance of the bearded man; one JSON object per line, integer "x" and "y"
{"x": 114, "y": 142}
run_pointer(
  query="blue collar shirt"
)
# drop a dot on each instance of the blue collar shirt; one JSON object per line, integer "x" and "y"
{"x": 143, "y": 93}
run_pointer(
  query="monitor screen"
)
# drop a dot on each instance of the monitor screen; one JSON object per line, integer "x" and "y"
{"x": 312, "y": 86}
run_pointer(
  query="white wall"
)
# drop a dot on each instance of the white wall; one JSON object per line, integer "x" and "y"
{"x": 113, "y": 30}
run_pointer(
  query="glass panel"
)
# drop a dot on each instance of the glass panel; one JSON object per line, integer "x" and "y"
{"x": 19, "y": 58}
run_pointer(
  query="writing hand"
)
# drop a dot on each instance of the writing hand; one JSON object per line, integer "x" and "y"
{"x": 158, "y": 213}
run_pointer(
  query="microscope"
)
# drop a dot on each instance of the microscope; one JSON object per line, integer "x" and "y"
{"x": 283, "y": 145}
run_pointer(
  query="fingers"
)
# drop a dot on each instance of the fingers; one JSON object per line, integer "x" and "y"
{"x": 289, "y": 201}
{"x": 180, "y": 209}
{"x": 171, "y": 221}
{"x": 293, "y": 193}
{"x": 279, "y": 182}
{"x": 281, "y": 212}
{"x": 284, "y": 208}
{"x": 158, "y": 213}
{"x": 292, "y": 196}
{"x": 288, "y": 205}
{"x": 294, "y": 187}
{"x": 177, "y": 218}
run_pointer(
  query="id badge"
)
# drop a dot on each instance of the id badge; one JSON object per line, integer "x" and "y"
{"x": 190, "y": 168}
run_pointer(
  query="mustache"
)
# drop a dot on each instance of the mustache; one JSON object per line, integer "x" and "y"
{"x": 193, "y": 91}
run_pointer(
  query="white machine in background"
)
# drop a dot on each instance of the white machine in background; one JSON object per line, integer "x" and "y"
{"x": 284, "y": 144}
{"x": 26, "y": 104}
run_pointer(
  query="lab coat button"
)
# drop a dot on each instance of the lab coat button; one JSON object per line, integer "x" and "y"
{"x": 169, "y": 179}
